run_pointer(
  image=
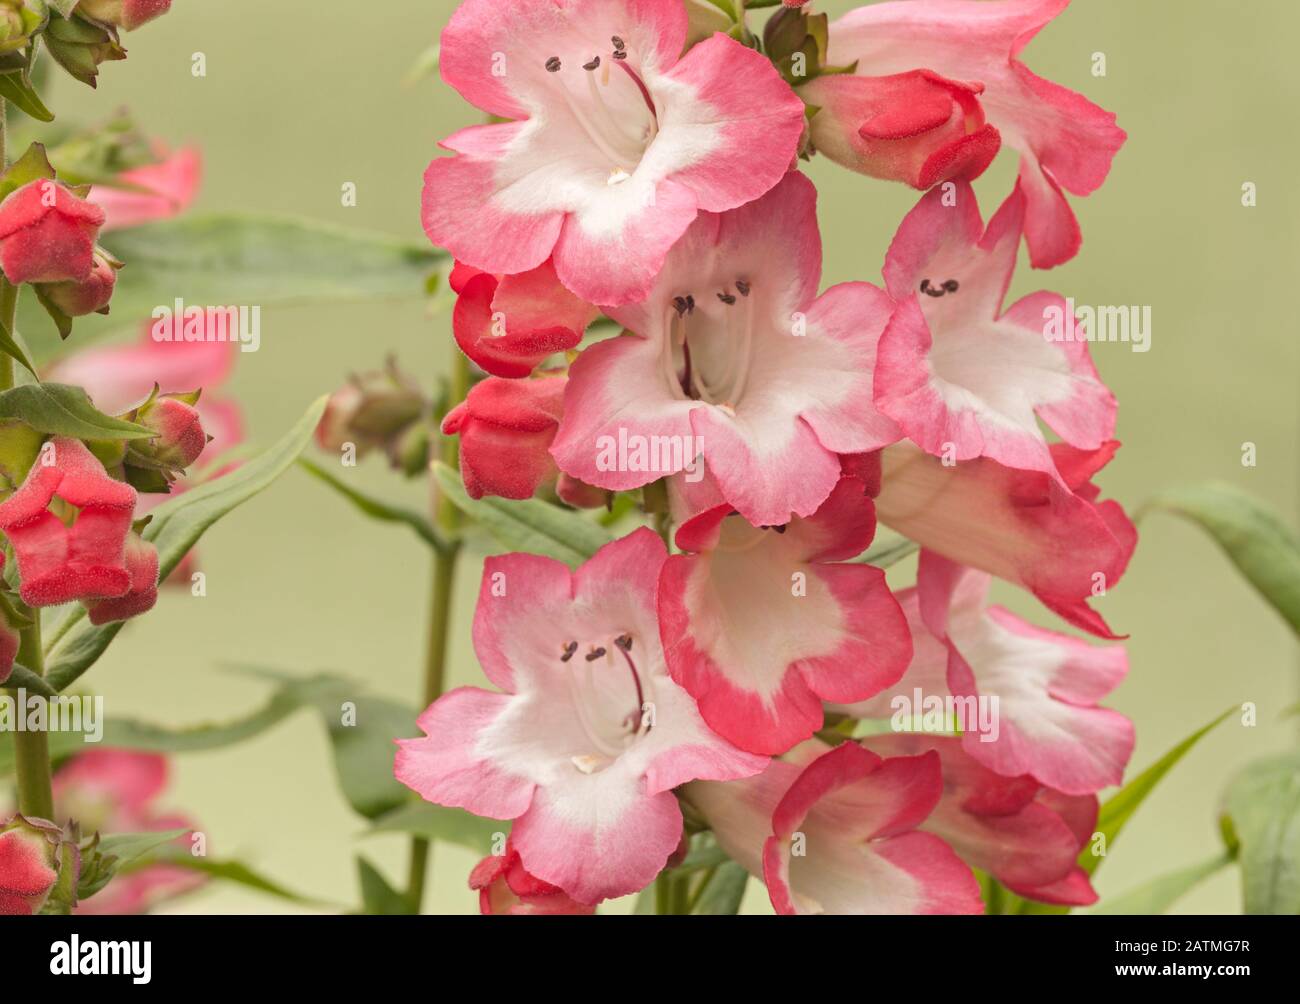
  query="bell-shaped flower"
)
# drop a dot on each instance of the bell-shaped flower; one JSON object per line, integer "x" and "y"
{"x": 735, "y": 361}
{"x": 1026, "y": 527}
{"x": 838, "y": 831}
{"x": 58, "y": 563}
{"x": 614, "y": 140}
{"x": 1021, "y": 833}
{"x": 1066, "y": 143}
{"x": 762, "y": 625}
{"x": 962, "y": 377}
{"x": 588, "y": 734}
{"x": 150, "y": 192}
{"x": 140, "y": 597}
{"x": 1026, "y": 698}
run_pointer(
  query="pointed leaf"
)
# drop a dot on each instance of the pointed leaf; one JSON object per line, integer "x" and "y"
{"x": 531, "y": 525}
{"x": 1264, "y": 549}
{"x": 1263, "y": 813}
{"x": 61, "y": 410}
{"x": 376, "y": 508}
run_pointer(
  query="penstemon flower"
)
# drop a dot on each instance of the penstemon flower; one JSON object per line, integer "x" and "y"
{"x": 614, "y": 140}
{"x": 736, "y": 359}
{"x": 1065, "y": 142}
{"x": 588, "y": 735}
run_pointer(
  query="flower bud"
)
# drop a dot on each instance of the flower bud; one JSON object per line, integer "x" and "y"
{"x": 180, "y": 436}
{"x": 506, "y": 428}
{"x": 504, "y": 886}
{"x": 128, "y": 14}
{"x": 375, "y": 411}
{"x": 47, "y": 234}
{"x": 77, "y": 298}
{"x": 79, "y": 45}
{"x": 37, "y": 859}
{"x": 916, "y": 127}
{"x": 18, "y": 22}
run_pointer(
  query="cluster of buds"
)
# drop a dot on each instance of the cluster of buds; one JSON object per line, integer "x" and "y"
{"x": 381, "y": 410}
{"x": 48, "y": 233}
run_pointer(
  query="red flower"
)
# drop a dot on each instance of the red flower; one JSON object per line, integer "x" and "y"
{"x": 506, "y": 428}
{"x": 142, "y": 564}
{"x": 58, "y": 563}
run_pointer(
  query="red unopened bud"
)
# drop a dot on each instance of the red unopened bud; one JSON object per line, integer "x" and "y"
{"x": 916, "y": 127}
{"x": 378, "y": 410}
{"x": 128, "y": 14}
{"x": 47, "y": 234}
{"x": 181, "y": 438}
{"x": 33, "y": 855}
{"x": 506, "y": 428}
{"x": 505, "y": 886}
{"x": 88, "y": 296}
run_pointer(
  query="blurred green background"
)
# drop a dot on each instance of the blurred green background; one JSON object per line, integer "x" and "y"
{"x": 301, "y": 97}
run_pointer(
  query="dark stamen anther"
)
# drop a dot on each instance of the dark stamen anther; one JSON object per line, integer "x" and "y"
{"x": 680, "y": 305}
{"x": 624, "y": 641}
{"x": 742, "y": 287}
{"x": 553, "y": 64}
{"x": 690, "y": 304}
{"x": 951, "y": 285}
{"x": 619, "y": 44}
{"x": 595, "y": 654}
{"x": 727, "y": 298}
{"x": 595, "y": 62}
{"x": 569, "y": 649}
{"x": 619, "y": 54}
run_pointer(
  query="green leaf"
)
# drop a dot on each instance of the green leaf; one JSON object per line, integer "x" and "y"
{"x": 1159, "y": 894}
{"x": 17, "y": 89}
{"x": 213, "y": 261}
{"x": 1263, "y": 817}
{"x": 377, "y": 896}
{"x": 888, "y": 549}
{"x": 724, "y": 892}
{"x": 1117, "y": 810}
{"x": 439, "y": 822}
{"x": 61, "y": 410}
{"x": 176, "y": 526}
{"x": 29, "y": 681}
{"x": 376, "y": 508}
{"x": 111, "y": 854}
{"x": 531, "y": 525}
{"x": 361, "y": 732}
{"x": 1264, "y": 549}
{"x": 239, "y": 873}
{"x": 14, "y": 347}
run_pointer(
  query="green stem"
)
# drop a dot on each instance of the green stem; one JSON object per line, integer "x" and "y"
{"x": 444, "y": 582}
{"x": 32, "y": 749}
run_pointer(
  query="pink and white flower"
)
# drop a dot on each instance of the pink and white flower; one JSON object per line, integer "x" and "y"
{"x": 1055, "y": 540}
{"x": 1046, "y": 685}
{"x": 960, "y": 376}
{"x": 1024, "y": 835}
{"x": 856, "y": 818}
{"x": 761, "y": 625}
{"x": 615, "y": 141}
{"x": 588, "y": 735}
{"x": 736, "y": 359}
{"x": 1066, "y": 143}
